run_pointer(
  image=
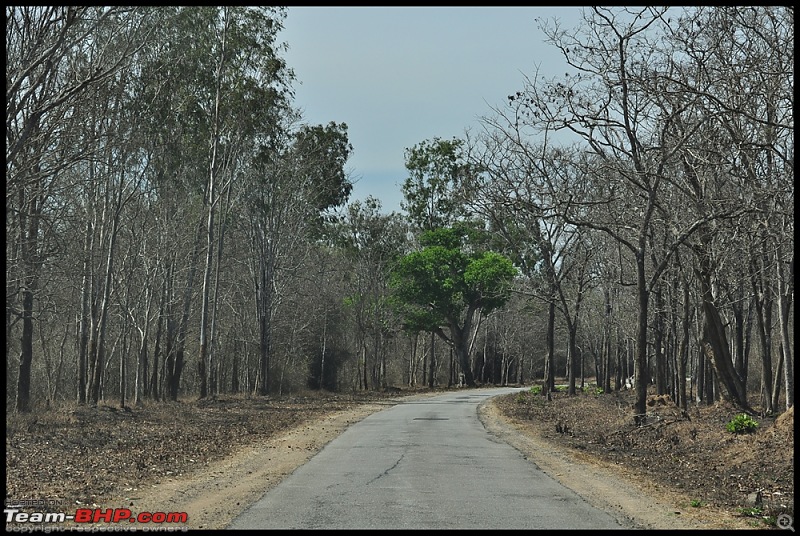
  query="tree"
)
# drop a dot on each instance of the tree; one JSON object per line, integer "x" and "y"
{"x": 371, "y": 241}
{"x": 444, "y": 285}
{"x": 437, "y": 170}
{"x": 437, "y": 167}
{"x": 52, "y": 70}
{"x": 296, "y": 178}
{"x": 247, "y": 82}
{"x": 614, "y": 105}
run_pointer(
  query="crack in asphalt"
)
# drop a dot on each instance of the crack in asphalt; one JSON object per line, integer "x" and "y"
{"x": 386, "y": 472}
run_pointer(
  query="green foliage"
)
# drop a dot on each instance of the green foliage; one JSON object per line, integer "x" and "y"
{"x": 750, "y": 511}
{"x": 536, "y": 390}
{"x": 742, "y": 424}
{"x": 696, "y": 503}
{"x": 432, "y": 192}
{"x": 770, "y": 521}
{"x": 433, "y": 287}
{"x": 321, "y": 153}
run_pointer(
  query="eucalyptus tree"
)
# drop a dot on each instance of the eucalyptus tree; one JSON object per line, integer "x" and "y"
{"x": 431, "y": 193}
{"x": 56, "y": 56}
{"x": 248, "y": 93}
{"x": 177, "y": 125}
{"x": 212, "y": 85}
{"x": 297, "y": 176}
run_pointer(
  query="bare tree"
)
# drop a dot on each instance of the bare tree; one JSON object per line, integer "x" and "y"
{"x": 52, "y": 63}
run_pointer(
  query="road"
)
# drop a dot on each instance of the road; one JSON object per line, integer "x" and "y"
{"x": 422, "y": 464}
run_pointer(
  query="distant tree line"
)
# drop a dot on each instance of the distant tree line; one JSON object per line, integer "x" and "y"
{"x": 175, "y": 229}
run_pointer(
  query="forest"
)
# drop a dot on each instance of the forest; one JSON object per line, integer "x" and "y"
{"x": 175, "y": 229}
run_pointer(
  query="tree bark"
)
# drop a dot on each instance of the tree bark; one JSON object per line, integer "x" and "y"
{"x": 715, "y": 344}
{"x": 785, "y": 293}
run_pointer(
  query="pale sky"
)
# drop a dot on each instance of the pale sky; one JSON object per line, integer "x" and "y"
{"x": 400, "y": 75}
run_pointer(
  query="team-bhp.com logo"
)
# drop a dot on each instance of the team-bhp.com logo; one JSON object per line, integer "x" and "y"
{"x": 95, "y": 515}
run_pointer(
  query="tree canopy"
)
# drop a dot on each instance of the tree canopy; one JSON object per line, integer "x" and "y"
{"x": 443, "y": 285}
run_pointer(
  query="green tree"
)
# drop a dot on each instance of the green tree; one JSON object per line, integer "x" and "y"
{"x": 441, "y": 287}
{"x": 436, "y": 169}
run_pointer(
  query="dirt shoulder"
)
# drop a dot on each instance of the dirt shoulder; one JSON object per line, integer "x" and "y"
{"x": 634, "y": 501}
{"x": 213, "y": 496}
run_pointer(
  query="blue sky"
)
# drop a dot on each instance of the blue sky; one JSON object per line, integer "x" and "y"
{"x": 400, "y": 75}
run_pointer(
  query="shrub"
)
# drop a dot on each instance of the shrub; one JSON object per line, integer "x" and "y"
{"x": 750, "y": 512}
{"x": 742, "y": 424}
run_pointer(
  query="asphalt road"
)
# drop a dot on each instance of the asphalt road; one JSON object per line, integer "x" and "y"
{"x": 422, "y": 464}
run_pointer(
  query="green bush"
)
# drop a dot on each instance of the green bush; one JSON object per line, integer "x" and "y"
{"x": 536, "y": 390}
{"x": 742, "y": 424}
{"x": 750, "y": 512}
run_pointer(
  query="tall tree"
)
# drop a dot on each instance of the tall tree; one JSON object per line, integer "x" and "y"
{"x": 432, "y": 193}
{"x": 248, "y": 89}
{"x": 444, "y": 285}
{"x": 56, "y": 56}
{"x": 296, "y": 178}
{"x": 611, "y": 104}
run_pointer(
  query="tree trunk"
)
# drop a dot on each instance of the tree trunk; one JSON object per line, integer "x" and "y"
{"x": 98, "y": 354}
{"x": 459, "y": 337}
{"x": 785, "y": 294}
{"x": 265, "y": 321}
{"x": 23, "y": 402}
{"x": 776, "y": 381}
{"x": 83, "y": 329}
{"x": 549, "y": 384}
{"x": 180, "y": 336}
{"x": 28, "y": 238}
{"x": 463, "y": 360}
{"x": 715, "y": 346}
{"x": 763, "y": 307}
{"x": 321, "y": 384}
{"x": 432, "y": 364}
{"x": 658, "y": 340}
{"x": 572, "y": 360}
{"x": 640, "y": 372}
{"x": 683, "y": 351}
{"x": 214, "y": 381}
{"x": 211, "y": 201}
{"x": 151, "y": 388}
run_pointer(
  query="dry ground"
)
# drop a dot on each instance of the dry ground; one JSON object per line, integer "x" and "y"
{"x": 213, "y": 458}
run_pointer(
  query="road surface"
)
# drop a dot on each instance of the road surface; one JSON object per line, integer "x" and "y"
{"x": 422, "y": 464}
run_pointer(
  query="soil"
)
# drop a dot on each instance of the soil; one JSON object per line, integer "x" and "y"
{"x": 213, "y": 458}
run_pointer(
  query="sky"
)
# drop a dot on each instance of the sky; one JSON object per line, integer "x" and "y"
{"x": 398, "y": 76}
